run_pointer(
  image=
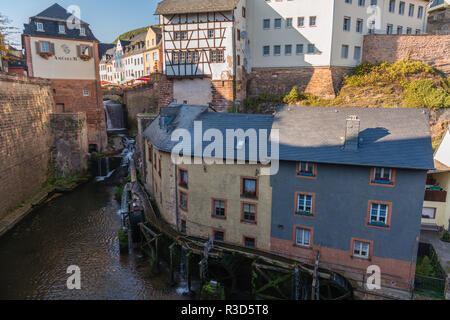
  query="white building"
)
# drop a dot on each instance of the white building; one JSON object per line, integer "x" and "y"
{"x": 279, "y": 43}
{"x": 203, "y": 49}
{"x": 133, "y": 58}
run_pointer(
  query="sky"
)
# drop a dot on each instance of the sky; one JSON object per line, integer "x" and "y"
{"x": 107, "y": 18}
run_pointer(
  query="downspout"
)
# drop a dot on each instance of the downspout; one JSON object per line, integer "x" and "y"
{"x": 176, "y": 199}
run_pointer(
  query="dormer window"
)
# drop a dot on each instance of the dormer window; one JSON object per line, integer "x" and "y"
{"x": 62, "y": 28}
{"x": 40, "y": 26}
{"x": 383, "y": 176}
{"x": 83, "y": 31}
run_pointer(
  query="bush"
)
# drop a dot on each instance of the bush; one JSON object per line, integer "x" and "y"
{"x": 446, "y": 236}
{"x": 425, "y": 267}
{"x": 292, "y": 97}
{"x": 423, "y": 93}
{"x": 367, "y": 74}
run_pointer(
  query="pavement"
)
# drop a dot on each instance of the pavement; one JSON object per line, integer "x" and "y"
{"x": 442, "y": 248}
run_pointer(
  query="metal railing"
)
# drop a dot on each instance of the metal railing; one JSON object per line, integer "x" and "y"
{"x": 430, "y": 286}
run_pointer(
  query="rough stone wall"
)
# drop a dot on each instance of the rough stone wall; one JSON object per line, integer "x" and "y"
{"x": 439, "y": 21}
{"x": 320, "y": 81}
{"x": 140, "y": 100}
{"x": 222, "y": 94}
{"x": 25, "y": 137}
{"x": 428, "y": 48}
{"x": 70, "y": 94}
{"x": 69, "y": 143}
{"x": 164, "y": 89}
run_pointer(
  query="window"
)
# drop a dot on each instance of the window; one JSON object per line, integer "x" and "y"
{"x": 379, "y": 214}
{"x": 266, "y": 24}
{"x": 266, "y": 50}
{"x": 45, "y": 47}
{"x": 288, "y": 49}
{"x": 401, "y": 8}
{"x": 40, "y": 26}
{"x": 348, "y": 1}
{"x": 277, "y": 23}
{"x": 218, "y": 235}
{"x": 399, "y": 30}
{"x": 300, "y": 21}
{"x": 344, "y": 51}
{"x": 176, "y": 35}
{"x": 311, "y": 48}
{"x": 182, "y": 57}
{"x": 183, "y": 35}
{"x": 249, "y": 188}
{"x": 359, "y": 25}
{"x": 244, "y": 12}
{"x": 83, "y": 31}
{"x": 299, "y": 49}
{"x": 86, "y": 93}
{"x": 361, "y": 249}
{"x": 276, "y": 50}
{"x": 150, "y": 153}
{"x": 357, "y": 53}
{"x": 249, "y": 242}
{"x": 219, "y": 208}
{"x": 183, "y": 179}
{"x": 408, "y": 31}
{"x": 418, "y": 31}
{"x": 373, "y": 2}
{"x": 159, "y": 167}
{"x": 238, "y": 35}
{"x": 372, "y": 27}
{"x": 249, "y": 212}
{"x": 303, "y": 237}
{"x": 362, "y": 3}
{"x": 420, "y": 12}
{"x": 183, "y": 201}
{"x": 288, "y": 22}
{"x": 195, "y": 57}
{"x": 428, "y": 213}
{"x": 217, "y": 56}
{"x": 411, "y": 10}
{"x": 306, "y": 169}
{"x": 389, "y": 29}
{"x": 391, "y": 5}
{"x": 305, "y": 204}
{"x": 384, "y": 176}
{"x": 183, "y": 226}
{"x": 312, "y": 21}
{"x": 238, "y": 60}
{"x": 347, "y": 23}
{"x": 61, "y": 28}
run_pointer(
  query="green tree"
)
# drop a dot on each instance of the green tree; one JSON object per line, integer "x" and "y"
{"x": 6, "y": 31}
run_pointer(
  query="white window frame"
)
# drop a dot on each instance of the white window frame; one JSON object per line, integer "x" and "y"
{"x": 378, "y": 211}
{"x": 61, "y": 28}
{"x": 305, "y": 206}
{"x": 40, "y": 24}
{"x": 305, "y": 241}
{"x": 82, "y": 31}
{"x": 382, "y": 173}
{"x": 86, "y": 93}
{"x": 359, "y": 246}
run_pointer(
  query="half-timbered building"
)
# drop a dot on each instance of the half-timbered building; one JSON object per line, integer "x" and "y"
{"x": 203, "y": 50}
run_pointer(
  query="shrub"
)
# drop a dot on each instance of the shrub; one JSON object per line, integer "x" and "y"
{"x": 423, "y": 93}
{"x": 292, "y": 97}
{"x": 446, "y": 236}
{"x": 425, "y": 267}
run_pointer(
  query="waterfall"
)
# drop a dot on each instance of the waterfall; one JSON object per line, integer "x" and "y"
{"x": 115, "y": 119}
{"x": 106, "y": 172}
{"x": 183, "y": 284}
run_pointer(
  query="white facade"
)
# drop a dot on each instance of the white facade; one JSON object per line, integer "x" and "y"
{"x": 443, "y": 152}
{"x": 134, "y": 66}
{"x": 288, "y": 33}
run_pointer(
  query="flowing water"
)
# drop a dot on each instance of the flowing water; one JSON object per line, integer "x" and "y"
{"x": 79, "y": 228}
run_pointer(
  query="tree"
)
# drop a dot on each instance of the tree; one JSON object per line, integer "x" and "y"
{"x": 6, "y": 31}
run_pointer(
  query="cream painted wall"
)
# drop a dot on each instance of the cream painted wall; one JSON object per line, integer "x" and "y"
{"x": 354, "y": 11}
{"x": 151, "y": 45}
{"x": 62, "y": 65}
{"x": 194, "y": 91}
{"x": 443, "y": 153}
{"x": 218, "y": 181}
{"x": 442, "y": 209}
{"x": 320, "y": 35}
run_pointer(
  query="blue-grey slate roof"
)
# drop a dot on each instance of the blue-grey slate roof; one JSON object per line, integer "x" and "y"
{"x": 184, "y": 116}
{"x": 396, "y": 138}
{"x": 51, "y": 18}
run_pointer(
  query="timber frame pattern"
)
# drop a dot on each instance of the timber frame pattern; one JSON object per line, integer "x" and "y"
{"x": 188, "y": 57}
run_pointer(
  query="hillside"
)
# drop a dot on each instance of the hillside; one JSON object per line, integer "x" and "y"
{"x": 127, "y": 36}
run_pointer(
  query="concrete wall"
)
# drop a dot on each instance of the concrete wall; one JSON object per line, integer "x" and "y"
{"x": 69, "y": 143}
{"x": 140, "y": 100}
{"x": 25, "y": 137}
{"x": 431, "y": 49}
{"x": 342, "y": 195}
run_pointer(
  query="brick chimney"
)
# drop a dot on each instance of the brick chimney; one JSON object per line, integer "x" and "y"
{"x": 352, "y": 133}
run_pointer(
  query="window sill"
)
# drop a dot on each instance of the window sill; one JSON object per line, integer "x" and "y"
{"x": 361, "y": 258}
{"x": 217, "y": 217}
{"x": 302, "y": 247}
{"x": 383, "y": 182}
{"x": 304, "y": 214}
{"x": 184, "y": 186}
{"x": 254, "y": 223}
{"x": 378, "y": 225}
{"x": 245, "y": 196}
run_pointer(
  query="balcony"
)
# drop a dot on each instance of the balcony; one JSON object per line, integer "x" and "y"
{"x": 436, "y": 195}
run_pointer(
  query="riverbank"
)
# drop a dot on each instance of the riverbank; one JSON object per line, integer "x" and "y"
{"x": 47, "y": 194}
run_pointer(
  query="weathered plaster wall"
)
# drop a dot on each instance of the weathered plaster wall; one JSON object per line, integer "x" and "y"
{"x": 25, "y": 137}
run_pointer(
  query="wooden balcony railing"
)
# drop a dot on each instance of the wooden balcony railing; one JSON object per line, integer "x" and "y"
{"x": 434, "y": 195}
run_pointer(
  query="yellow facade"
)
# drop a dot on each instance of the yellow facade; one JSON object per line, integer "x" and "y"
{"x": 442, "y": 216}
{"x": 152, "y": 57}
{"x": 206, "y": 183}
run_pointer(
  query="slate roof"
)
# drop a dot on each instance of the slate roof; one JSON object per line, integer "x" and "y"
{"x": 396, "y": 138}
{"x": 439, "y": 2}
{"x": 51, "y": 18}
{"x": 183, "y": 117}
{"x": 104, "y": 48}
{"x": 194, "y": 6}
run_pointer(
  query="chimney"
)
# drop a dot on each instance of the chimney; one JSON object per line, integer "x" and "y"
{"x": 352, "y": 133}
